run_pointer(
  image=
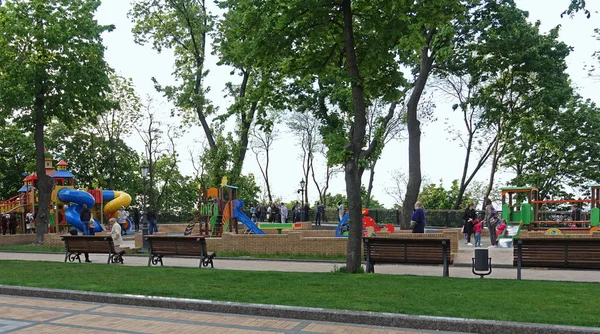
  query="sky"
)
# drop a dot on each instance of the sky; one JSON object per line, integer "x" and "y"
{"x": 441, "y": 156}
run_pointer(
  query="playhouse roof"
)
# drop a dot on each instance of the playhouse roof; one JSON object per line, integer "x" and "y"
{"x": 63, "y": 174}
{"x": 25, "y": 189}
{"x": 62, "y": 163}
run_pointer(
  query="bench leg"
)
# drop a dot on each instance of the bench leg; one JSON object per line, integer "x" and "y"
{"x": 109, "y": 258}
{"x": 72, "y": 257}
{"x": 519, "y": 258}
{"x": 446, "y": 272}
{"x": 155, "y": 259}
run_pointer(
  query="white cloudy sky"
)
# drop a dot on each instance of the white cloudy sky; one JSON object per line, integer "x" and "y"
{"x": 441, "y": 157}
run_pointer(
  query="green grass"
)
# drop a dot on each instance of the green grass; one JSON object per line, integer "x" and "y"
{"x": 61, "y": 249}
{"x": 34, "y": 248}
{"x": 283, "y": 256}
{"x": 565, "y": 303}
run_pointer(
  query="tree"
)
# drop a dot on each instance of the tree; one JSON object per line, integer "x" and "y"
{"x": 558, "y": 150}
{"x": 261, "y": 145}
{"x": 17, "y": 152}
{"x": 94, "y": 160}
{"x": 393, "y": 131}
{"x": 337, "y": 64}
{"x": 118, "y": 122}
{"x": 494, "y": 78}
{"x": 436, "y": 197}
{"x": 52, "y": 65}
{"x": 180, "y": 25}
{"x": 305, "y": 127}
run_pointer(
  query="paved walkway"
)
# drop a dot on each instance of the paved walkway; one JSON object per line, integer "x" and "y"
{"x": 34, "y": 315}
{"x": 299, "y": 266}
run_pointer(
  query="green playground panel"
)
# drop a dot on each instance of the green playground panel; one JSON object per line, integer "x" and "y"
{"x": 275, "y": 226}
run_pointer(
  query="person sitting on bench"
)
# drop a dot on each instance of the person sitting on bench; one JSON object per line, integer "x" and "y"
{"x": 115, "y": 233}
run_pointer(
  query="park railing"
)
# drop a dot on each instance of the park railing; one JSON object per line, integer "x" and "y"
{"x": 438, "y": 218}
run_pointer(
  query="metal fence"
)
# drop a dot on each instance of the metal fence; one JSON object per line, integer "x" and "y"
{"x": 438, "y": 218}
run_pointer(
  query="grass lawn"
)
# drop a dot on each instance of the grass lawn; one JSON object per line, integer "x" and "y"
{"x": 61, "y": 249}
{"x": 564, "y": 303}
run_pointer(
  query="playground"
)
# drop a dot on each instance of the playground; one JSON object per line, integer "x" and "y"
{"x": 66, "y": 202}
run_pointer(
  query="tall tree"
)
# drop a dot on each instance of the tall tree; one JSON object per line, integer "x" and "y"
{"x": 557, "y": 150}
{"x": 52, "y": 65}
{"x": 180, "y": 25}
{"x": 305, "y": 127}
{"x": 262, "y": 142}
{"x": 394, "y": 130}
{"x": 340, "y": 63}
{"x": 118, "y": 122}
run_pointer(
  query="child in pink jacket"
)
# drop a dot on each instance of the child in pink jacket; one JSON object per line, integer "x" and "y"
{"x": 477, "y": 227}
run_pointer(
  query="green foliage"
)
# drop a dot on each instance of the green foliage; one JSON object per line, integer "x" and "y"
{"x": 436, "y": 197}
{"x": 16, "y": 156}
{"x": 561, "y": 149}
{"x": 181, "y": 26}
{"x": 248, "y": 190}
{"x": 333, "y": 200}
{"x": 94, "y": 160}
{"x": 53, "y": 48}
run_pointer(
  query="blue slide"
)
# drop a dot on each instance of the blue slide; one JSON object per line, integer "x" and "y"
{"x": 237, "y": 213}
{"x": 78, "y": 198}
{"x": 343, "y": 225}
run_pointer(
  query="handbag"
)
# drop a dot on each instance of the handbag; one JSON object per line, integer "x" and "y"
{"x": 413, "y": 223}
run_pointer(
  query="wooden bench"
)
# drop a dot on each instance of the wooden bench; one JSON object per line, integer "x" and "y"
{"x": 407, "y": 251}
{"x": 556, "y": 252}
{"x": 78, "y": 244}
{"x": 176, "y": 246}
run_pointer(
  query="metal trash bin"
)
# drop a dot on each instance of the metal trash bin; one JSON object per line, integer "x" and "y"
{"x": 482, "y": 263}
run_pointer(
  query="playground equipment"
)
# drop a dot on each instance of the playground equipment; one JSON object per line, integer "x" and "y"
{"x": 369, "y": 225}
{"x": 220, "y": 210}
{"x": 66, "y": 201}
{"x": 522, "y": 209}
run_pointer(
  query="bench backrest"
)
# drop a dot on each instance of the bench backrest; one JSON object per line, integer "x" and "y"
{"x": 169, "y": 245}
{"x": 407, "y": 250}
{"x": 583, "y": 253}
{"x": 89, "y": 244}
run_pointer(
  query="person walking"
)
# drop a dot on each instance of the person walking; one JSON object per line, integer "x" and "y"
{"x": 469, "y": 216}
{"x": 491, "y": 219}
{"x": 318, "y": 214}
{"x": 296, "y": 212}
{"x": 418, "y": 220}
{"x": 340, "y": 210}
{"x": 152, "y": 218}
{"x": 283, "y": 213}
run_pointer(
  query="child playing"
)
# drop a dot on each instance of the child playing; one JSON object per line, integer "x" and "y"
{"x": 477, "y": 227}
{"x": 500, "y": 229}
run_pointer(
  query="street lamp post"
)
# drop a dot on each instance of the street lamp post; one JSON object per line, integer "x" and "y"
{"x": 303, "y": 210}
{"x": 144, "y": 169}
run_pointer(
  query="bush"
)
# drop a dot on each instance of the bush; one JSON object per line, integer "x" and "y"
{"x": 344, "y": 270}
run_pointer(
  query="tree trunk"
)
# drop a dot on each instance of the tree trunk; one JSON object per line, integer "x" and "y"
{"x": 414, "y": 135}
{"x": 357, "y": 137}
{"x": 495, "y": 160}
{"x": 370, "y": 187}
{"x": 44, "y": 182}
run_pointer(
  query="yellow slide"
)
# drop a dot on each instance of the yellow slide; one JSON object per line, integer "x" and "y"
{"x": 111, "y": 209}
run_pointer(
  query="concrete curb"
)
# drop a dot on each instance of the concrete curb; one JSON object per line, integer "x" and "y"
{"x": 304, "y": 313}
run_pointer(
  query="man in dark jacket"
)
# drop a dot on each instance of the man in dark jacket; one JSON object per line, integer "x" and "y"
{"x": 152, "y": 221}
{"x": 12, "y": 224}
{"x": 85, "y": 216}
{"x": 136, "y": 218}
{"x": 4, "y": 224}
